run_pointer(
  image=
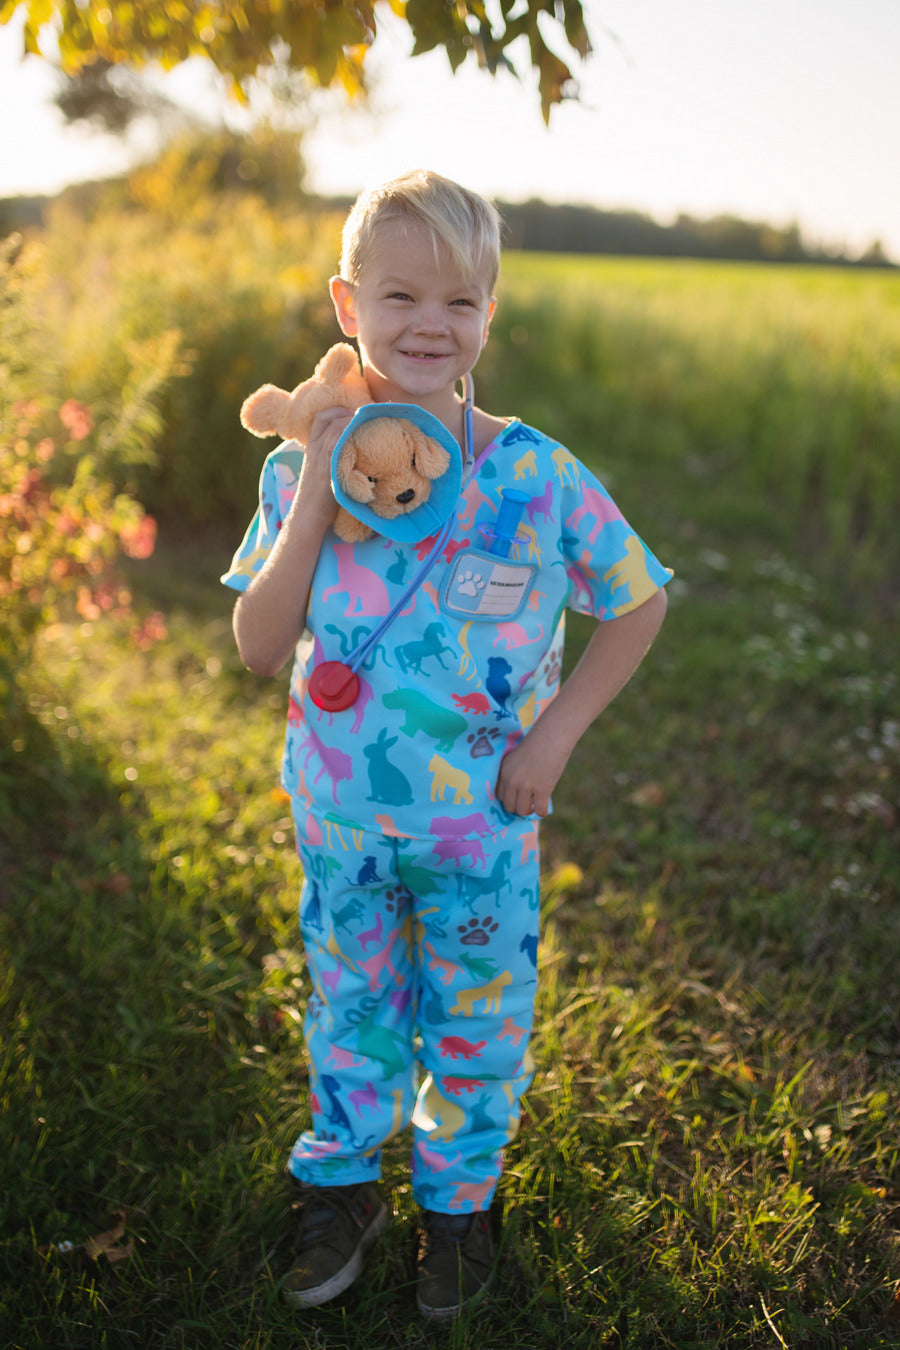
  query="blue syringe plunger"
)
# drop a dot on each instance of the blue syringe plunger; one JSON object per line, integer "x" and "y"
{"x": 503, "y": 534}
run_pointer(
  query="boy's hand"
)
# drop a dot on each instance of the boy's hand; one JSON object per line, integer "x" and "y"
{"x": 528, "y": 775}
{"x": 530, "y": 772}
{"x": 314, "y": 487}
{"x": 270, "y": 615}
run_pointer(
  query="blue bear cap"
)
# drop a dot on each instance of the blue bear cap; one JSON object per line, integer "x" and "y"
{"x": 428, "y": 517}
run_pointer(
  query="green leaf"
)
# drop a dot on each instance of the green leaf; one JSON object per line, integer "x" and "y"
{"x": 238, "y": 36}
{"x": 554, "y": 77}
{"x": 576, "y": 32}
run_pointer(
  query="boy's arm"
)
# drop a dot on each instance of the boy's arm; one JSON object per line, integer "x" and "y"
{"x": 270, "y": 615}
{"x": 530, "y": 772}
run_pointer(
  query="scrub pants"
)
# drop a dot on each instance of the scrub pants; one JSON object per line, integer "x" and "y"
{"x": 423, "y": 958}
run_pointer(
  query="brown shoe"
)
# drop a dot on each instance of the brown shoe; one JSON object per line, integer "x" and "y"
{"x": 456, "y": 1263}
{"x": 336, "y": 1224}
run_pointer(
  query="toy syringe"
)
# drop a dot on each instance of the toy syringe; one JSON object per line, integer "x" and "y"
{"x": 502, "y": 535}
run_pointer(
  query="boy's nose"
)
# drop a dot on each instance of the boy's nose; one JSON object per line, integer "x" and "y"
{"x": 406, "y": 496}
{"x": 430, "y": 320}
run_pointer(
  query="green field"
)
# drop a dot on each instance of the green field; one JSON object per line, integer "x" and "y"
{"x": 710, "y": 1152}
{"x": 775, "y": 389}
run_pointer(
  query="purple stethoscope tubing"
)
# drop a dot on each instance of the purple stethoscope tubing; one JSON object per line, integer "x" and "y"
{"x": 358, "y": 655}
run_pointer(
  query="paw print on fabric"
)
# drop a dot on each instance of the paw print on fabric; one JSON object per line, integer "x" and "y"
{"x": 483, "y": 742}
{"x": 396, "y": 899}
{"x": 551, "y": 669}
{"x": 470, "y": 583}
{"x": 477, "y": 932}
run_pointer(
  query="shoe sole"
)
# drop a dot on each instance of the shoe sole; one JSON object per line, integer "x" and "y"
{"x": 322, "y": 1293}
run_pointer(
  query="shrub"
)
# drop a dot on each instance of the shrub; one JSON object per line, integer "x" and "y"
{"x": 238, "y": 291}
{"x": 63, "y": 524}
{"x": 60, "y": 540}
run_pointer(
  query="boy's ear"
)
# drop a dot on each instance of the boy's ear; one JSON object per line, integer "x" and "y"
{"x": 492, "y": 306}
{"x": 344, "y": 306}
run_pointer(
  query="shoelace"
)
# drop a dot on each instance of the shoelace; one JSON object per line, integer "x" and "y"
{"x": 447, "y": 1230}
{"x": 318, "y": 1212}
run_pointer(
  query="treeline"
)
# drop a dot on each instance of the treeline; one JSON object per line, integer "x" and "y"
{"x": 541, "y": 227}
{"x": 268, "y": 163}
{"x": 536, "y": 226}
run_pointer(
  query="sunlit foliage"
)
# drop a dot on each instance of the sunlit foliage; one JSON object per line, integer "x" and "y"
{"x": 326, "y": 39}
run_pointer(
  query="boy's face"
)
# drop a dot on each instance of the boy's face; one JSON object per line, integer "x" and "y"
{"x": 420, "y": 325}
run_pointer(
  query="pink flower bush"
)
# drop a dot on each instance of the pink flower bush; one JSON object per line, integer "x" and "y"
{"x": 77, "y": 418}
{"x": 60, "y": 540}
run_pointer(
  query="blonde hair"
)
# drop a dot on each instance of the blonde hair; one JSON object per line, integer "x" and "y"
{"x": 457, "y": 220}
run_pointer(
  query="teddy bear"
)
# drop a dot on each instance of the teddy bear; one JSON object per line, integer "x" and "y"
{"x": 388, "y": 463}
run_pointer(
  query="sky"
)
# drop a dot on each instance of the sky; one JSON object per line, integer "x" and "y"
{"x": 775, "y": 110}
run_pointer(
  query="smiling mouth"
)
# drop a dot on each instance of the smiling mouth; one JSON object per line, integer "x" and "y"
{"x": 424, "y": 356}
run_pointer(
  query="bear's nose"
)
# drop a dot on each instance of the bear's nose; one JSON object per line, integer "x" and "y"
{"x": 407, "y": 496}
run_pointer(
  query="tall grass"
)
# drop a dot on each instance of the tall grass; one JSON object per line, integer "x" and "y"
{"x": 238, "y": 290}
{"x": 777, "y": 388}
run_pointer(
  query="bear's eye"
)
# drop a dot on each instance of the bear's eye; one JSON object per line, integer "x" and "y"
{"x": 372, "y": 480}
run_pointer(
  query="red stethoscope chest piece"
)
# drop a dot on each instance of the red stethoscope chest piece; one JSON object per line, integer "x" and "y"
{"x": 333, "y": 687}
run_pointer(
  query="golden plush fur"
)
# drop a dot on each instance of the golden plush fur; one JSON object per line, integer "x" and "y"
{"x": 388, "y": 463}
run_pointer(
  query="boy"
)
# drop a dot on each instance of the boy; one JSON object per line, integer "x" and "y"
{"x": 416, "y": 810}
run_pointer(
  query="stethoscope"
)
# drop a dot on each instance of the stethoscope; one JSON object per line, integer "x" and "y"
{"x": 334, "y": 685}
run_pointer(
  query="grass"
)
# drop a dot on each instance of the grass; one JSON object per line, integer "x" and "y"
{"x": 709, "y": 1156}
{"x": 776, "y": 391}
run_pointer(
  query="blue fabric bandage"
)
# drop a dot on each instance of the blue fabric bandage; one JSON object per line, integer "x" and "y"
{"x": 429, "y": 516}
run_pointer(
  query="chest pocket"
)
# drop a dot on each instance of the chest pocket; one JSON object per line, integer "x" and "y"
{"x": 481, "y": 586}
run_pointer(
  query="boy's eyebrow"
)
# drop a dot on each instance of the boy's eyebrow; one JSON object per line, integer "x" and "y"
{"x": 396, "y": 279}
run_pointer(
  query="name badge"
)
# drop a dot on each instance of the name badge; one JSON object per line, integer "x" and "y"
{"x": 479, "y": 586}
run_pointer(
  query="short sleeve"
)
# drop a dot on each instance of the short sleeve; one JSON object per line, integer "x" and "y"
{"x": 611, "y": 570}
{"x": 277, "y": 486}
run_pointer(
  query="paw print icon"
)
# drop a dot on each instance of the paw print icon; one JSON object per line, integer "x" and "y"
{"x": 483, "y": 741}
{"x": 470, "y": 583}
{"x": 477, "y": 932}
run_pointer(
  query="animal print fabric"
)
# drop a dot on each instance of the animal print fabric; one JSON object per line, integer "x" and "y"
{"x": 451, "y": 685}
{"x": 424, "y": 967}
